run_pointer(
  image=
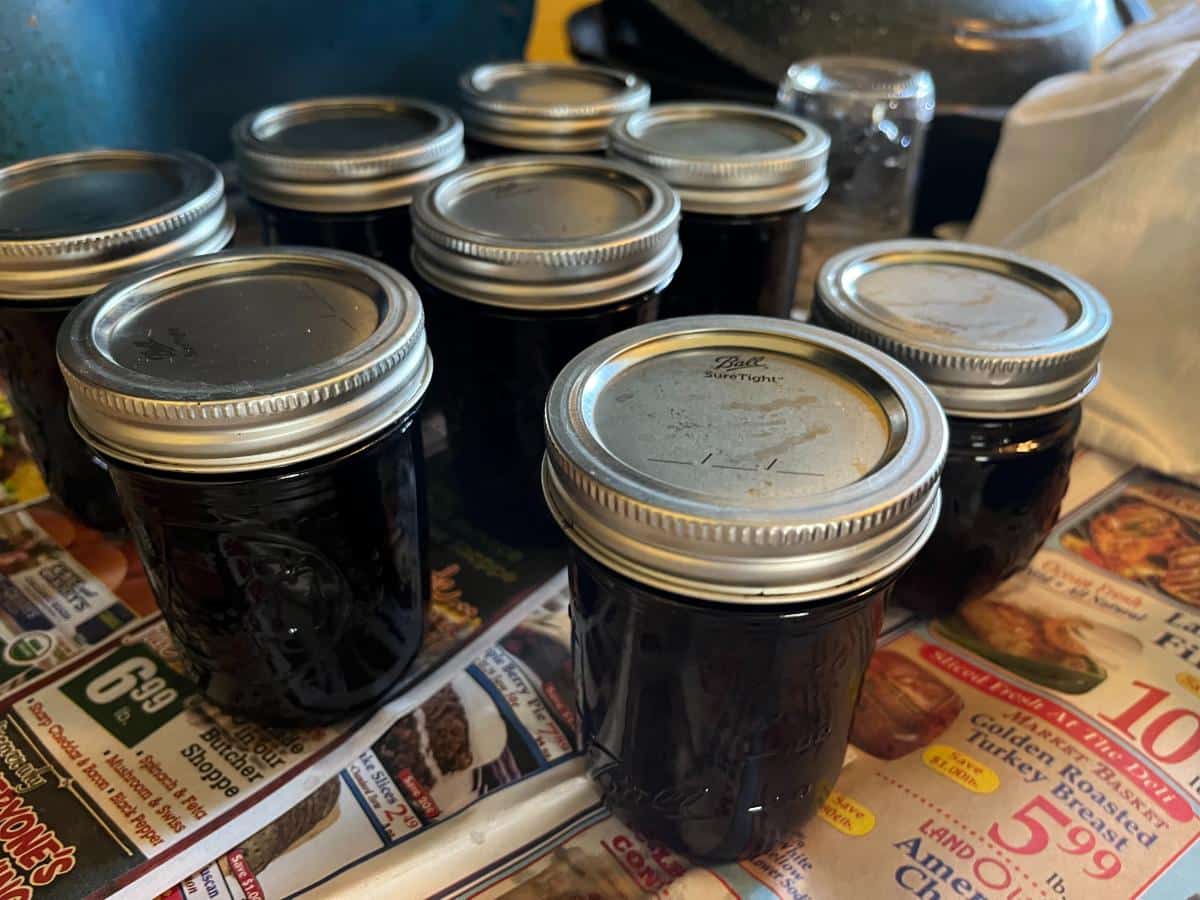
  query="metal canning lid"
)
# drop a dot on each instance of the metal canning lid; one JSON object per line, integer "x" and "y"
{"x": 547, "y": 233}
{"x": 729, "y": 158}
{"x": 991, "y": 332}
{"x": 345, "y": 154}
{"x": 743, "y": 459}
{"x": 547, "y": 107}
{"x": 71, "y": 223}
{"x": 244, "y": 360}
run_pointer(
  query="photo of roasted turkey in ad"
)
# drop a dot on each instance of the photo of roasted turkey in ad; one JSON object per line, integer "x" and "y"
{"x": 1143, "y": 542}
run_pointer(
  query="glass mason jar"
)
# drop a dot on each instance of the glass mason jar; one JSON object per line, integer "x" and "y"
{"x": 258, "y": 412}
{"x": 69, "y": 224}
{"x": 740, "y": 494}
{"x": 1010, "y": 346}
{"x": 876, "y": 112}
{"x": 341, "y": 172}
{"x": 528, "y": 261}
{"x": 524, "y": 107}
{"x": 747, "y": 178}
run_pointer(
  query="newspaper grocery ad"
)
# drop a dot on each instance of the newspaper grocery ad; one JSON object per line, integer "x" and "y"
{"x": 1044, "y": 742}
{"x": 115, "y": 775}
{"x": 960, "y": 782}
{"x": 63, "y": 587}
{"x": 499, "y": 734}
{"x": 508, "y": 716}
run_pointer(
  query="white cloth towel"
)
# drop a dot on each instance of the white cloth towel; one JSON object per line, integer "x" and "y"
{"x": 1099, "y": 172}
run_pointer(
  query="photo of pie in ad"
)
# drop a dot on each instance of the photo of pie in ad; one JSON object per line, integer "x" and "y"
{"x": 454, "y": 747}
{"x": 1143, "y": 542}
{"x": 1034, "y": 638}
{"x": 903, "y": 707}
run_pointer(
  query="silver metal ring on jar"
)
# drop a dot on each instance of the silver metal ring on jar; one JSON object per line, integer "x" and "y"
{"x": 71, "y": 223}
{"x": 547, "y": 107}
{"x": 345, "y": 154}
{"x": 727, "y": 158}
{"x": 743, "y": 459}
{"x": 295, "y": 353}
{"x": 992, "y": 333}
{"x": 546, "y": 232}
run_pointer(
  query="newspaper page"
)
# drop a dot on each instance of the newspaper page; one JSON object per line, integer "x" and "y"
{"x": 1044, "y": 742}
{"x": 115, "y": 775}
{"x": 64, "y": 587}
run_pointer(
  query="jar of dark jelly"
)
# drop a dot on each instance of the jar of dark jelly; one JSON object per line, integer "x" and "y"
{"x": 341, "y": 172}
{"x": 525, "y": 262}
{"x": 740, "y": 494}
{"x": 69, "y": 224}
{"x": 1010, "y": 346}
{"x": 524, "y": 107}
{"x": 747, "y": 178}
{"x": 257, "y": 410}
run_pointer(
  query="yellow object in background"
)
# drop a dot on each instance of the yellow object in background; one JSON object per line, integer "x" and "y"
{"x": 548, "y": 35}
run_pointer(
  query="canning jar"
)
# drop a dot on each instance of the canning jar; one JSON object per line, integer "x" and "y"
{"x": 524, "y": 107}
{"x": 1010, "y": 346}
{"x": 341, "y": 172}
{"x": 525, "y": 262}
{"x": 257, "y": 410}
{"x": 740, "y": 494}
{"x": 747, "y": 178}
{"x": 876, "y": 112}
{"x": 69, "y": 224}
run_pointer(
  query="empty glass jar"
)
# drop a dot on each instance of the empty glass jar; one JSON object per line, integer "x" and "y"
{"x": 747, "y": 179}
{"x": 341, "y": 172}
{"x": 876, "y": 112}
{"x": 1010, "y": 346}
{"x": 69, "y": 225}
{"x": 524, "y": 107}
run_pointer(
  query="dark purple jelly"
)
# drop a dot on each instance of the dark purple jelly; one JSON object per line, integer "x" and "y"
{"x": 525, "y": 262}
{"x": 73, "y": 473}
{"x": 258, "y": 411}
{"x": 715, "y": 729}
{"x": 740, "y": 494}
{"x": 296, "y": 595}
{"x": 478, "y": 149}
{"x": 747, "y": 178}
{"x": 495, "y": 368}
{"x": 385, "y": 235}
{"x": 69, "y": 224}
{"x": 744, "y": 265}
{"x": 1002, "y": 491}
{"x": 1011, "y": 347}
